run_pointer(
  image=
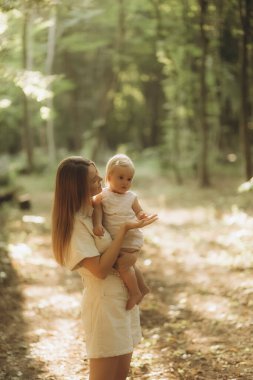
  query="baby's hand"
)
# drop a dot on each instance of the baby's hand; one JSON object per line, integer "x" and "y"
{"x": 141, "y": 215}
{"x": 98, "y": 230}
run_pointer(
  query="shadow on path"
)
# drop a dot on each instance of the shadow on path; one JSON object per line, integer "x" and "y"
{"x": 15, "y": 360}
{"x": 193, "y": 331}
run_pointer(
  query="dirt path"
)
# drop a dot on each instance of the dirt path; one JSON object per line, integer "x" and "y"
{"x": 197, "y": 322}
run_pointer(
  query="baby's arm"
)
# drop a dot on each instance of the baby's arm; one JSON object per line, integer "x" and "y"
{"x": 140, "y": 214}
{"x": 97, "y": 216}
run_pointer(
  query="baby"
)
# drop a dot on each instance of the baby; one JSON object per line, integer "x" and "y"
{"x": 118, "y": 205}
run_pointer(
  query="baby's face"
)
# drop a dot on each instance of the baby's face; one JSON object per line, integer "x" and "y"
{"x": 120, "y": 179}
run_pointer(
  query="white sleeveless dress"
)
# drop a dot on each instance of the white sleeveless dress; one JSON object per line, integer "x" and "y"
{"x": 110, "y": 330}
{"x": 117, "y": 208}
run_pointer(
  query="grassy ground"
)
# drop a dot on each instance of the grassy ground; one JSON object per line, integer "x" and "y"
{"x": 197, "y": 321}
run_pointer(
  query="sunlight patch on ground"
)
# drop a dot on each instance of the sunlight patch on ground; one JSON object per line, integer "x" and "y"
{"x": 226, "y": 241}
{"x": 24, "y": 254}
{"x": 145, "y": 361}
{"x": 56, "y": 301}
{"x": 247, "y": 284}
{"x": 19, "y": 251}
{"x": 238, "y": 217}
{"x": 235, "y": 239}
{"x": 198, "y": 305}
{"x": 183, "y": 216}
{"x": 214, "y": 308}
{"x": 197, "y": 341}
{"x": 57, "y": 345}
{"x": 61, "y": 302}
{"x": 41, "y": 261}
{"x": 225, "y": 259}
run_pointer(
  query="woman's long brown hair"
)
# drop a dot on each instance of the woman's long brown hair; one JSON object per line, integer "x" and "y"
{"x": 71, "y": 195}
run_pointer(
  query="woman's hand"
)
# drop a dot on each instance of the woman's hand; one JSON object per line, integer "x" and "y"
{"x": 140, "y": 223}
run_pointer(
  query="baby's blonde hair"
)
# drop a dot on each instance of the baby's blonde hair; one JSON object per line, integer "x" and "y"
{"x": 118, "y": 160}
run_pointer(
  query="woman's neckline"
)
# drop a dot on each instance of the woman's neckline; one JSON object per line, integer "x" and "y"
{"x": 87, "y": 212}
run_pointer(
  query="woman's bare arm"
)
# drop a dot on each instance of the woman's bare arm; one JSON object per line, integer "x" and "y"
{"x": 101, "y": 266}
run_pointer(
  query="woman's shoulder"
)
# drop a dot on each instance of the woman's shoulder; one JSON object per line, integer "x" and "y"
{"x": 84, "y": 243}
{"x": 83, "y": 223}
{"x": 84, "y": 228}
{"x": 105, "y": 192}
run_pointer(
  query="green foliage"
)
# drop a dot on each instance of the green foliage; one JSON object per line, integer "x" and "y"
{"x": 125, "y": 73}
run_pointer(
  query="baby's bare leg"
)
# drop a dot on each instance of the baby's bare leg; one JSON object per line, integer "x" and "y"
{"x": 141, "y": 283}
{"x": 125, "y": 267}
{"x": 125, "y": 260}
{"x": 129, "y": 278}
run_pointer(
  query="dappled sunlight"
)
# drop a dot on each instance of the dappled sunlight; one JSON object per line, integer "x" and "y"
{"x": 35, "y": 84}
{"x": 61, "y": 302}
{"x": 19, "y": 251}
{"x": 144, "y": 362}
{"x": 183, "y": 216}
{"x": 3, "y": 22}
{"x": 45, "y": 113}
{"x": 226, "y": 241}
{"x": 211, "y": 307}
{"x": 5, "y": 103}
{"x": 224, "y": 258}
{"x": 238, "y": 217}
{"x": 22, "y": 254}
{"x": 55, "y": 300}
{"x": 147, "y": 262}
{"x": 33, "y": 219}
{"x": 203, "y": 343}
{"x": 58, "y": 344}
{"x": 40, "y": 261}
{"x": 196, "y": 319}
{"x": 200, "y": 315}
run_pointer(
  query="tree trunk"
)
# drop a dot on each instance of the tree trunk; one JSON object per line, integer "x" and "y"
{"x": 48, "y": 69}
{"x": 27, "y": 132}
{"x": 245, "y": 13}
{"x": 203, "y": 164}
{"x": 156, "y": 89}
{"x": 176, "y": 153}
{"x": 220, "y": 140}
{"x": 104, "y": 108}
{"x": 112, "y": 84}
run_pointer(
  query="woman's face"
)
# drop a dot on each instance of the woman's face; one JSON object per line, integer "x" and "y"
{"x": 94, "y": 180}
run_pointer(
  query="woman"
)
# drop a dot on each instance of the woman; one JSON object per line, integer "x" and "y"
{"x": 110, "y": 330}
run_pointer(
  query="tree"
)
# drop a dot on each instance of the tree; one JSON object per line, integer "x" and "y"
{"x": 203, "y": 162}
{"x": 48, "y": 71}
{"x": 246, "y": 7}
{"x": 27, "y": 136}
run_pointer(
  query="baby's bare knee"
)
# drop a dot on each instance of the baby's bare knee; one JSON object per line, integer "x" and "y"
{"x": 126, "y": 261}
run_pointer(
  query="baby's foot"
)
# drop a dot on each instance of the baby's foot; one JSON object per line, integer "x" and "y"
{"x": 144, "y": 291}
{"x": 133, "y": 300}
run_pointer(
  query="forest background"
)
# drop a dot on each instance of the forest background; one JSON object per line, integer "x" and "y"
{"x": 170, "y": 83}
{"x": 171, "y": 79}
